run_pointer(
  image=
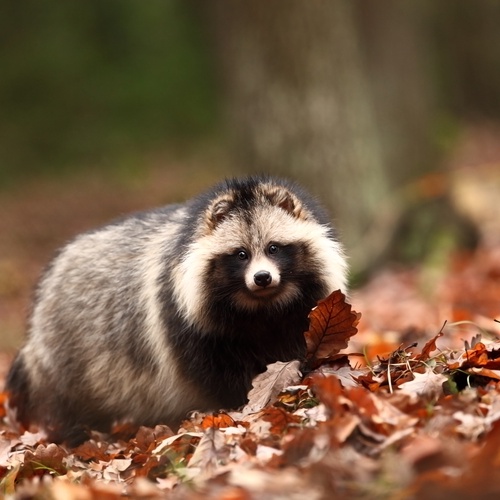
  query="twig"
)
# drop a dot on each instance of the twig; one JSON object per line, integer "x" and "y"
{"x": 389, "y": 375}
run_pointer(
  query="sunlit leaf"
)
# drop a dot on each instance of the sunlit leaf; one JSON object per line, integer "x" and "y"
{"x": 332, "y": 324}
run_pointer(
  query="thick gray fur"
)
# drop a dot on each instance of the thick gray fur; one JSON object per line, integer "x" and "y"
{"x": 141, "y": 319}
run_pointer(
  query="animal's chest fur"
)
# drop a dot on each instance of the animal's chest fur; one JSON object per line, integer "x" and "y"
{"x": 225, "y": 364}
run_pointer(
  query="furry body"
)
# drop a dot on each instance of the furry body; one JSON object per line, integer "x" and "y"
{"x": 174, "y": 309}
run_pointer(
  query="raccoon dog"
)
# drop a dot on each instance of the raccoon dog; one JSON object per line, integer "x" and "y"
{"x": 174, "y": 309}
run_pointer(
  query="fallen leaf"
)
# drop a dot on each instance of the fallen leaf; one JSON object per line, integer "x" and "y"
{"x": 313, "y": 415}
{"x": 485, "y": 372}
{"x": 217, "y": 421}
{"x": 112, "y": 471}
{"x": 329, "y": 391}
{"x": 92, "y": 450}
{"x": 32, "y": 438}
{"x": 207, "y": 455}
{"x": 481, "y": 355}
{"x": 44, "y": 460}
{"x": 331, "y": 325}
{"x": 429, "y": 347}
{"x": 389, "y": 415}
{"x": 267, "y": 385}
{"x": 343, "y": 371}
{"x": 150, "y": 466}
{"x": 147, "y": 438}
{"x": 305, "y": 446}
{"x": 279, "y": 419}
{"x": 427, "y": 384}
{"x": 178, "y": 443}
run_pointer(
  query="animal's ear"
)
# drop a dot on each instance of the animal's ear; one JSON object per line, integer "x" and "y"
{"x": 218, "y": 211}
{"x": 280, "y": 197}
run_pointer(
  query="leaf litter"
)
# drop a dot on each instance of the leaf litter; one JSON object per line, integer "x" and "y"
{"x": 399, "y": 422}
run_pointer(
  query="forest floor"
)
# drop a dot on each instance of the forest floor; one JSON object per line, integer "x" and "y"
{"x": 412, "y": 412}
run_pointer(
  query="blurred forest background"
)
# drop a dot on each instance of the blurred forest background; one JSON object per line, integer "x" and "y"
{"x": 388, "y": 111}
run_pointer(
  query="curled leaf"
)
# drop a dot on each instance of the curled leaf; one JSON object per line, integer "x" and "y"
{"x": 430, "y": 347}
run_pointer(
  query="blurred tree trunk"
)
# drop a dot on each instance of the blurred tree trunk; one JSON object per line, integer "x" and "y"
{"x": 397, "y": 50}
{"x": 335, "y": 94}
{"x": 468, "y": 56}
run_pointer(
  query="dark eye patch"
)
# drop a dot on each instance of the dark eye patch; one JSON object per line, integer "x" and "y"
{"x": 284, "y": 256}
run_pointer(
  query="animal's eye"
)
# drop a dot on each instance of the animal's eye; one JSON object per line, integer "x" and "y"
{"x": 273, "y": 249}
{"x": 242, "y": 255}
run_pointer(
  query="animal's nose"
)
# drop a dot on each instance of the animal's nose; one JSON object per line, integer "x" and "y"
{"x": 262, "y": 278}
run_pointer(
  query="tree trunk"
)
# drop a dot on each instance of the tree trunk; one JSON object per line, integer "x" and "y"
{"x": 298, "y": 103}
{"x": 332, "y": 93}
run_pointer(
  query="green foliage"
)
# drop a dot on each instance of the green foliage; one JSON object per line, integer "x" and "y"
{"x": 82, "y": 80}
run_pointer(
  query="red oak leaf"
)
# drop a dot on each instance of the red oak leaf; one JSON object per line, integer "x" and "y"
{"x": 331, "y": 325}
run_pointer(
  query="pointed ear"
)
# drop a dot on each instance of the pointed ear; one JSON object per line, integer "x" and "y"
{"x": 284, "y": 199}
{"x": 218, "y": 211}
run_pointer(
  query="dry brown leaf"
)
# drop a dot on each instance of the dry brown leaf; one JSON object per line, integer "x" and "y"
{"x": 180, "y": 444}
{"x": 44, "y": 460}
{"x": 33, "y": 438}
{"x": 112, "y": 471}
{"x": 428, "y": 384}
{"x": 480, "y": 356}
{"x": 92, "y": 450}
{"x": 305, "y": 446}
{"x": 217, "y": 421}
{"x": 207, "y": 453}
{"x": 148, "y": 438}
{"x": 388, "y": 415}
{"x": 151, "y": 466}
{"x": 343, "y": 371}
{"x": 279, "y": 419}
{"x": 485, "y": 372}
{"x": 331, "y": 325}
{"x": 267, "y": 385}
{"x": 429, "y": 347}
{"x": 329, "y": 391}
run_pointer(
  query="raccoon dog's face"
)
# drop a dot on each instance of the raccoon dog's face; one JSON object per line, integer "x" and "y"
{"x": 258, "y": 248}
